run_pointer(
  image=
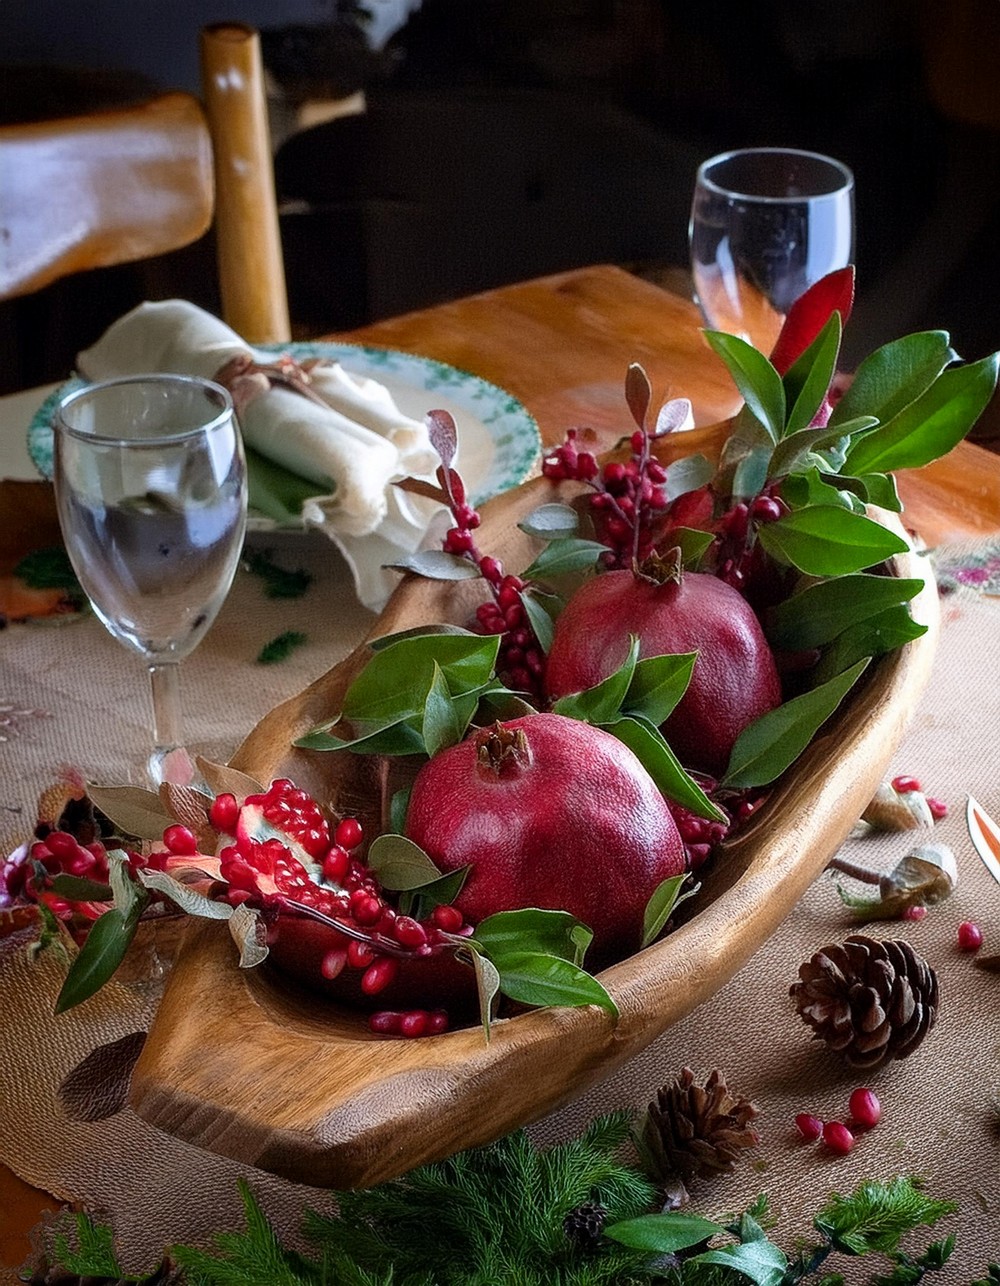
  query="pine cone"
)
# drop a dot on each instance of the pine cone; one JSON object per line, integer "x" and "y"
{"x": 584, "y": 1225}
{"x": 47, "y": 1274}
{"x": 690, "y": 1130}
{"x": 869, "y": 1000}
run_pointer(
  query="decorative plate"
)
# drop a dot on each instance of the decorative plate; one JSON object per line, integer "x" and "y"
{"x": 499, "y": 442}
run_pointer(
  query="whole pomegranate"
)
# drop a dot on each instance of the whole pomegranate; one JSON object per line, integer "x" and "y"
{"x": 735, "y": 679}
{"x": 549, "y": 812}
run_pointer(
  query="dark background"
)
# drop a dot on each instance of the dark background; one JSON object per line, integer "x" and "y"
{"x": 508, "y": 138}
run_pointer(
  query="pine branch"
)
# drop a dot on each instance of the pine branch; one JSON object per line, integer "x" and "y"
{"x": 876, "y": 1215}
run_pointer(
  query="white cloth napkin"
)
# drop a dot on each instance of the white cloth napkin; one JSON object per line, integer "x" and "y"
{"x": 354, "y": 447}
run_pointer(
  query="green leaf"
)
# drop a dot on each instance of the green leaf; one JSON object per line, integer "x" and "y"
{"x": 400, "y": 864}
{"x": 565, "y": 556}
{"x": 99, "y": 957}
{"x": 393, "y": 684}
{"x": 929, "y": 427}
{"x": 541, "y": 611}
{"x": 752, "y": 472}
{"x": 602, "y": 702}
{"x": 534, "y": 978}
{"x": 280, "y": 647}
{"x": 533, "y": 929}
{"x": 487, "y": 984}
{"x": 665, "y": 899}
{"x": 800, "y": 490}
{"x": 133, "y": 810}
{"x": 819, "y": 613}
{"x": 808, "y": 379}
{"x": 397, "y": 738}
{"x": 774, "y": 741}
{"x": 688, "y": 474}
{"x": 663, "y": 1234}
{"x": 883, "y": 633}
{"x": 279, "y": 582}
{"x": 548, "y": 522}
{"x": 823, "y": 540}
{"x": 398, "y": 805}
{"x": 277, "y": 492}
{"x": 76, "y": 888}
{"x": 648, "y": 745}
{"x": 418, "y": 632}
{"x": 692, "y": 542}
{"x": 894, "y": 376}
{"x": 658, "y": 683}
{"x": 422, "y": 900}
{"x": 796, "y": 449}
{"x": 440, "y": 727}
{"x": 436, "y": 564}
{"x": 188, "y": 899}
{"x": 876, "y": 489}
{"x": 761, "y": 1261}
{"x": 758, "y": 382}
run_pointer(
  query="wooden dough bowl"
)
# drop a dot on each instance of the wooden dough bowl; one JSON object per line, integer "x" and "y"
{"x": 242, "y": 1063}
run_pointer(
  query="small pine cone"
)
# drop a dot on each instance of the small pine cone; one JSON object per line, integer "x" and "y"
{"x": 690, "y": 1130}
{"x": 584, "y": 1225}
{"x": 46, "y": 1274}
{"x": 869, "y": 1000}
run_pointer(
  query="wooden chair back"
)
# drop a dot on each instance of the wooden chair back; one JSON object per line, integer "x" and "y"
{"x": 120, "y": 185}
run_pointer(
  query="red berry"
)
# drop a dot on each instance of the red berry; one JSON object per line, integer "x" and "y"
{"x": 180, "y": 840}
{"x": 970, "y": 936}
{"x": 809, "y": 1126}
{"x": 866, "y": 1110}
{"x": 448, "y": 919}
{"x": 904, "y": 785}
{"x": 348, "y": 833}
{"x": 359, "y": 955}
{"x": 838, "y": 1138}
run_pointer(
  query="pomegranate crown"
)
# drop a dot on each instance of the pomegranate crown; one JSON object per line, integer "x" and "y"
{"x": 501, "y": 749}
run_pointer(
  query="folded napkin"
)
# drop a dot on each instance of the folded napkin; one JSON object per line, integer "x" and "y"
{"x": 346, "y": 437}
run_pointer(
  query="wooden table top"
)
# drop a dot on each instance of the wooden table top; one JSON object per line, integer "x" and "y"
{"x": 562, "y": 344}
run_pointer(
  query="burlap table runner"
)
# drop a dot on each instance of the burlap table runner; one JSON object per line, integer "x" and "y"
{"x": 74, "y": 696}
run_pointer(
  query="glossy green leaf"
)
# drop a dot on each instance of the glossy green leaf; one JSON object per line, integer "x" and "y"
{"x": 929, "y": 427}
{"x": 823, "y": 540}
{"x": 876, "y": 489}
{"x": 550, "y": 521}
{"x": 99, "y": 957}
{"x": 440, "y": 727}
{"x": 667, "y": 896}
{"x": 752, "y": 473}
{"x": 421, "y": 901}
{"x": 799, "y": 449}
{"x": 541, "y": 611}
{"x": 76, "y": 888}
{"x": 394, "y": 682}
{"x": 692, "y": 542}
{"x": 563, "y": 557}
{"x": 436, "y": 564}
{"x": 663, "y": 1234}
{"x": 883, "y": 633}
{"x": 808, "y": 379}
{"x": 418, "y": 631}
{"x": 761, "y": 1261}
{"x": 657, "y": 684}
{"x": 648, "y": 745}
{"x": 810, "y": 487}
{"x": 688, "y": 474}
{"x": 820, "y": 612}
{"x": 533, "y": 929}
{"x": 894, "y": 376}
{"x": 534, "y": 978}
{"x": 401, "y": 737}
{"x": 400, "y": 864}
{"x": 774, "y": 741}
{"x": 602, "y": 702}
{"x": 758, "y": 382}
{"x": 398, "y": 805}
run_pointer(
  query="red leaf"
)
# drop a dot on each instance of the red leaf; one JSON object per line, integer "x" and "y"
{"x": 810, "y": 313}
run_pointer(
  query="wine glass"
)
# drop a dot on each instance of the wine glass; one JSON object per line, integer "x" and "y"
{"x": 150, "y": 483}
{"x": 766, "y": 223}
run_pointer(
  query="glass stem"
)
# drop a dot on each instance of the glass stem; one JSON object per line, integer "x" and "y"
{"x": 168, "y": 735}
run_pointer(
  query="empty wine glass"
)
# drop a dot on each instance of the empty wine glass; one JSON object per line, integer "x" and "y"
{"x": 766, "y": 223}
{"x": 150, "y": 484}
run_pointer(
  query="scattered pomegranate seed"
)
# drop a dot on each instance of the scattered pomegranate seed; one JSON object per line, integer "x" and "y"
{"x": 224, "y": 813}
{"x": 809, "y": 1126}
{"x": 359, "y": 955}
{"x": 938, "y": 807}
{"x": 437, "y": 1022}
{"x": 413, "y": 1023}
{"x": 348, "y": 833}
{"x": 905, "y": 784}
{"x": 378, "y": 975}
{"x": 838, "y": 1138}
{"x": 866, "y": 1110}
{"x": 385, "y": 1022}
{"x": 913, "y": 913}
{"x": 180, "y": 840}
{"x": 970, "y": 936}
{"x": 333, "y": 963}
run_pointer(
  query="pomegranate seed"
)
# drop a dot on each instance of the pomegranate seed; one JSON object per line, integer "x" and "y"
{"x": 970, "y": 936}
{"x": 61, "y": 844}
{"x": 180, "y": 840}
{"x": 359, "y": 955}
{"x": 437, "y": 1022}
{"x": 409, "y": 932}
{"x": 914, "y": 913}
{"x": 385, "y": 1022}
{"x": 448, "y": 919}
{"x": 379, "y": 975}
{"x": 413, "y": 1023}
{"x": 809, "y": 1126}
{"x": 866, "y": 1110}
{"x": 333, "y": 963}
{"x": 348, "y": 833}
{"x": 838, "y": 1138}
{"x": 939, "y": 809}
{"x": 904, "y": 785}
{"x": 365, "y": 908}
{"x": 82, "y": 864}
{"x": 335, "y": 864}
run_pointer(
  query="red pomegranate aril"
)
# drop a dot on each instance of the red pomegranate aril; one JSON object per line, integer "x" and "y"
{"x": 359, "y": 955}
{"x": 938, "y": 808}
{"x": 809, "y": 1126}
{"x": 904, "y": 785}
{"x": 365, "y": 908}
{"x": 180, "y": 840}
{"x": 333, "y": 963}
{"x": 970, "y": 936}
{"x": 385, "y": 1022}
{"x": 914, "y": 913}
{"x": 838, "y": 1138}
{"x": 413, "y": 1023}
{"x": 379, "y": 975}
{"x": 61, "y": 844}
{"x": 348, "y": 833}
{"x": 82, "y": 864}
{"x": 866, "y": 1110}
{"x": 409, "y": 932}
{"x": 437, "y": 1022}
{"x": 448, "y": 919}
{"x": 224, "y": 812}
{"x": 336, "y": 864}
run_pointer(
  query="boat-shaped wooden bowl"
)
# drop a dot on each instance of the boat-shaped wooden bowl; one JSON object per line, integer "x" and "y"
{"x": 244, "y": 1064}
